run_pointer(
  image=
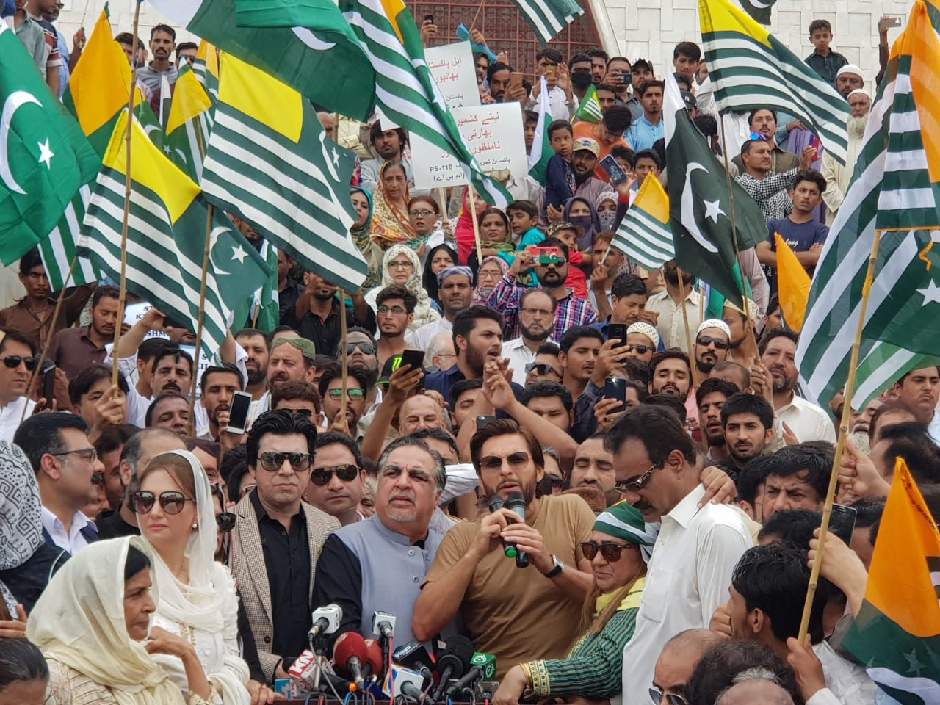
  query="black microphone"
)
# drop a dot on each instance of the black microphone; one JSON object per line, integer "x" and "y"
{"x": 415, "y": 657}
{"x": 516, "y": 504}
{"x": 496, "y": 503}
{"x": 454, "y": 662}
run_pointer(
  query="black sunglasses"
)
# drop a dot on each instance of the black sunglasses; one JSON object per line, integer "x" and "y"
{"x": 658, "y": 696}
{"x": 272, "y": 461}
{"x": 541, "y": 369}
{"x": 494, "y": 462}
{"x": 13, "y": 361}
{"x": 642, "y": 349}
{"x": 226, "y": 521}
{"x": 719, "y": 344}
{"x": 306, "y": 413}
{"x": 322, "y": 476}
{"x": 366, "y": 347}
{"x": 170, "y": 502}
{"x": 610, "y": 550}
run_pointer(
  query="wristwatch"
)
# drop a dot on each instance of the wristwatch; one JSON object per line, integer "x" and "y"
{"x": 556, "y": 571}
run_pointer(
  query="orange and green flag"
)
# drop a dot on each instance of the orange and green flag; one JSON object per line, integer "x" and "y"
{"x": 896, "y": 634}
{"x": 793, "y": 284}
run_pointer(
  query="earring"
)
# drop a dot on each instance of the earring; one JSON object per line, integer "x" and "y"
{"x": 195, "y": 526}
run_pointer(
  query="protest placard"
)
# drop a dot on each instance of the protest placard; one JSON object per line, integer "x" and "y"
{"x": 453, "y": 69}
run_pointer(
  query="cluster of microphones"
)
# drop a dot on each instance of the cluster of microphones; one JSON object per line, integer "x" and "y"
{"x": 411, "y": 672}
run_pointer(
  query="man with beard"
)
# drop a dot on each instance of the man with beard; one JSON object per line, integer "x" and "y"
{"x": 162, "y": 46}
{"x": 709, "y": 398}
{"x": 74, "y": 349}
{"x": 217, "y": 387}
{"x": 763, "y": 122}
{"x": 594, "y": 465}
{"x": 388, "y": 144}
{"x": 671, "y": 373}
{"x": 395, "y": 308}
{"x": 361, "y": 352}
{"x": 455, "y": 291}
{"x": 536, "y": 317}
{"x": 849, "y": 78}
{"x": 748, "y": 424}
{"x": 583, "y": 163}
{"x": 712, "y": 344}
{"x": 256, "y": 345}
{"x": 741, "y": 325}
{"x": 552, "y": 272}
{"x": 803, "y": 235}
{"x": 667, "y": 307}
{"x": 318, "y": 311}
{"x": 807, "y": 421}
{"x": 506, "y": 608}
{"x": 837, "y": 175}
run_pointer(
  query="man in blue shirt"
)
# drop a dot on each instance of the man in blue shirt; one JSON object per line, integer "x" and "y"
{"x": 650, "y": 127}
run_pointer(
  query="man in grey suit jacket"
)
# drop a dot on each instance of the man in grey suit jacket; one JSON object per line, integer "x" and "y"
{"x": 277, "y": 539}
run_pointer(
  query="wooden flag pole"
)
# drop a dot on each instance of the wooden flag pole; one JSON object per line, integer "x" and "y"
{"x": 343, "y": 326}
{"x": 199, "y": 325}
{"x": 843, "y": 436}
{"x": 445, "y": 221}
{"x": 45, "y": 348}
{"x": 476, "y": 226}
{"x": 696, "y": 381}
{"x": 127, "y": 201}
{"x": 477, "y": 15}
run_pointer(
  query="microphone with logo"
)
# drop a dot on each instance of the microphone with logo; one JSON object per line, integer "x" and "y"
{"x": 352, "y": 660}
{"x": 510, "y": 549}
{"x": 453, "y": 663}
{"x": 415, "y": 657}
{"x": 482, "y": 667}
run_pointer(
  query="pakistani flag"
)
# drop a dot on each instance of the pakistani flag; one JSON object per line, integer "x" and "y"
{"x": 166, "y": 238}
{"x": 751, "y": 69}
{"x": 263, "y": 310}
{"x": 541, "y": 150}
{"x": 206, "y": 68}
{"x": 758, "y": 9}
{"x": 645, "y": 235}
{"x": 320, "y": 57}
{"x": 700, "y": 204}
{"x": 547, "y": 17}
{"x": 406, "y": 92}
{"x": 187, "y": 130}
{"x": 894, "y": 193}
{"x": 590, "y": 108}
{"x": 270, "y": 162}
{"x": 44, "y": 156}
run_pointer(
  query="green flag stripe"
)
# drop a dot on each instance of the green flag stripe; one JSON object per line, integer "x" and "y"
{"x": 58, "y": 249}
{"x": 644, "y": 239}
{"x": 548, "y": 17}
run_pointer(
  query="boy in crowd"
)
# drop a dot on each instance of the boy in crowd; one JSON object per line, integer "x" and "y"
{"x": 824, "y": 60}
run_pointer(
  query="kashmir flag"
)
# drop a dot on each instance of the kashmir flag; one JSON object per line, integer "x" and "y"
{"x": 546, "y": 17}
{"x": 541, "y": 150}
{"x": 406, "y": 92}
{"x": 320, "y": 57}
{"x": 894, "y": 193}
{"x": 590, "y": 108}
{"x": 270, "y": 162}
{"x": 644, "y": 235}
{"x": 44, "y": 156}
{"x": 187, "y": 133}
{"x": 758, "y": 9}
{"x": 896, "y": 634}
{"x": 206, "y": 68}
{"x": 58, "y": 250}
{"x": 700, "y": 203}
{"x": 166, "y": 238}
{"x": 793, "y": 285}
{"x": 751, "y": 69}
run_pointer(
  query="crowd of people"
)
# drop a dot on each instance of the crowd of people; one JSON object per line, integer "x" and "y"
{"x": 648, "y": 461}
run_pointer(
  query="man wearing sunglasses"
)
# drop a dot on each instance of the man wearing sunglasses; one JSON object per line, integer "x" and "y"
{"x": 363, "y": 353}
{"x": 659, "y": 472}
{"x": 278, "y": 537}
{"x": 675, "y": 664}
{"x": 299, "y": 398}
{"x": 17, "y": 355}
{"x": 337, "y": 481}
{"x": 712, "y": 345}
{"x": 67, "y": 469}
{"x": 331, "y": 392}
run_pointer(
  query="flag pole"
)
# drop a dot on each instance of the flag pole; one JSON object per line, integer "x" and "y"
{"x": 479, "y": 10}
{"x": 445, "y": 221}
{"x": 843, "y": 437}
{"x": 127, "y": 199}
{"x": 199, "y": 326}
{"x": 45, "y": 348}
{"x": 343, "y": 326}
{"x": 476, "y": 225}
{"x": 696, "y": 382}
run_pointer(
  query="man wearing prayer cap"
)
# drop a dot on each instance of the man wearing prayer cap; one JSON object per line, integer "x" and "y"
{"x": 848, "y": 79}
{"x": 712, "y": 344}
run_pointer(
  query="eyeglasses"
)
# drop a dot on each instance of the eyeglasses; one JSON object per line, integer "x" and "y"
{"x": 337, "y": 393}
{"x": 642, "y": 349}
{"x": 422, "y": 214}
{"x": 171, "y": 503}
{"x": 494, "y": 462}
{"x": 273, "y": 461}
{"x": 397, "y": 310}
{"x": 658, "y": 696}
{"x": 637, "y": 484}
{"x": 400, "y": 265}
{"x": 322, "y": 476}
{"x": 610, "y": 551}
{"x": 89, "y": 454}
{"x": 552, "y": 262}
{"x": 306, "y": 413}
{"x": 719, "y": 344}
{"x": 225, "y": 521}
{"x": 758, "y": 137}
{"x": 366, "y": 347}
{"x": 13, "y": 361}
{"x": 540, "y": 369}
{"x": 537, "y": 311}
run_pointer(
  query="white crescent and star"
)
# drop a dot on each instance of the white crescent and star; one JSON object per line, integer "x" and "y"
{"x": 14, "y": 102}
{"x": 713, "y": 210}
{"x": 312, "y": 40}
{"x": 687, "y": 212}
{"x": 931, "y": 294}
{"x": 214, "y": 238}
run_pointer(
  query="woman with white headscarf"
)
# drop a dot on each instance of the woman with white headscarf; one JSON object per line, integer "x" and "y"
{"x": 93, "y": 626}
{"x": 402, "y": 267}
{"x": 197, "y": 598}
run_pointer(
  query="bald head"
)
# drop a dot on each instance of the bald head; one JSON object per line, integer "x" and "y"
{"x": 679, "y": 657}
{"x": 755, "y": 692}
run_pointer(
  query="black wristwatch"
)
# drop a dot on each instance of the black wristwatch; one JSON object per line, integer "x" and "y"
{"x": 556, "y": 571}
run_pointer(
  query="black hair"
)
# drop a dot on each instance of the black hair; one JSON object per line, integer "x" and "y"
{"x": 661, "y": 357}
{"x": 464, "y": 385}
{"x": 163, "y": 28}
{"x": 644, "y": 63}
{"x": 29, "y": 260}
{"x": 273, "y": 335}
{"x": 638, "y": 371}
{"x": 794, "y": 527}
{"x": 393, "y": 291}
{"x": 14, "y": 336}
{"x": 810, "y": 175}
{"x": 477, "y": 55}
{"x": 233, "y": 467}
{"x": 720, "y": 666}
{"x": 820, "y": 24}
{"x": 152, "y": 409}
{"x": 113, "y": 438}
{"x": 254, "y": 332}
{"x": 578, "y": 59}
{"x": 618, "y": 58}
{"x": 652, "y": 83}
{"x": 334, "y": 370}
{"x": 748, "y": 145}
{"x": 548, "y": 348}
{"x": 555, "y": 242}
{"x": 21, "y": 662}
{"x": 430, "y": 278}
{"x": 713, "y": 385}
{"x": 88, "y": 378}
{"x": 527, "y": 207}
{"x": 706, "y": 124}
{"x": 868, "y": 511}
{"x": 742, "y": 403}
{"x": 149, "y": 349}
{"x": 557, "y": 125}
{"x": 573, "y": 335}
{"x": 502, "y": 216}
{"x": 812, "y": 459}
{"x": 651, "y": 154}
{"x": 685, "y": 83}
{"x": 174, "y": 351}
{"x": 105, "y": 292}
{"x": 42, "y": 433}
{"x": 597, "y": 52}
{"x": 496, "y": 67}
{"x": 137, "y": 562}
{"x": 279, "y": 423}
{"x": 657, "y": 428}
{"x": 547, "y": 389}
{"x": 376, "y": 131}
{"x": 437, "y": 434}
{"x": 671, "y": 402}
{"x": 618, "y": 118}
{"x": 627, "y": 284}
{"x": 621, "y": 151}
{"x": 779, "y": 333}
{"x": 183, "y": 46}
{"x": 128, "y": 38}
{"x": 550, "y": 53}
{"x": 466, "y": 321}
{"x": 752, "y": 476}
{"x": 331, "y": 438}
{"x": 750, "y": 115}
{"x": 911, "y": 443}
{"x": 218, "y": 369}
{"x": 690, "y": 50}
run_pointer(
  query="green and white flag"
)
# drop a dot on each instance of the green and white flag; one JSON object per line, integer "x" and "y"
{"x": 166, "y": 239}
{"x": 270, "y": 162}
{"x": 59, "y": 248}
{"x": 590, "y": 108}
{"x": 645, "y": 235}
{"x": 548, "y": 17}
{"x": 541, "y": 150}
{"x": 758, "y": 9}
{"x": 406, "y": 92}
{"x": 894, "y": 192}
{"x": 187, "y": 129}
{"x": 321, "y": 57}
{"x": 751, "y": 69}
{"x": 263, "y": 310}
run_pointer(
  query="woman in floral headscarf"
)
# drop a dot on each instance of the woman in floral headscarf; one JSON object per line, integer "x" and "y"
{"x": 401, "y": 266}
{"x": 390, "y": 222}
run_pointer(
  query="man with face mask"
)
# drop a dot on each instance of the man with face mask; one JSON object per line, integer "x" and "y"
{"x": 836, "y": 175}
{"x": 579, "y": 66}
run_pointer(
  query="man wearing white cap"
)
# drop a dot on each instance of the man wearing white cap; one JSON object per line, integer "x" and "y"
{"x": 848, "y": 79}
{"x": 642, "y": 341}
{"x": 712, "y": 344}
{"x": 837, "y": 176}
{"x": 584, "y": 162}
